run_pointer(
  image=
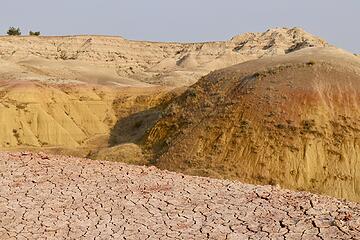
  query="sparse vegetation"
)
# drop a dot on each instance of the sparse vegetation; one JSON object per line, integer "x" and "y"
{"x": 308, "y": 124}
{"x": 63, "y": 55}
{"x": 138, "y": 124}
{"x": 31, "y": 33}
{"x": 191, "y": 92}
{"x": 310, "y": 63}
{"x": 17, "y": 136}
{"x": 13, "y": 31}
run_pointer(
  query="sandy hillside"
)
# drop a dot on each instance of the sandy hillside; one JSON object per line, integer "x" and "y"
{"x": 288, "y": 120}
{"x": 114, "y": 60}
{"x": 57, "y": 197}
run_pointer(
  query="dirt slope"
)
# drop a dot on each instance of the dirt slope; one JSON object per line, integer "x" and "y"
{"x": 56, "y": 197}
{"x": 114, "y": 60}
{"x": 291, "y": 120}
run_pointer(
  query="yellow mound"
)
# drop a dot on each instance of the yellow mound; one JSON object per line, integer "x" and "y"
{"x": 36, "y": 115}
{"x": 291, "y": 120}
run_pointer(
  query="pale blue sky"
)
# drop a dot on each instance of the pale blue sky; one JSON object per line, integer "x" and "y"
{"x": 185, "y": 20}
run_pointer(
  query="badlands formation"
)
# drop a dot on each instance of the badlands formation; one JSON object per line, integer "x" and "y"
{"x": 69, "y": 92}
{"x": 278, "y": 108}
{"x": 117, "y": 61}
{"x": 290, "y": 120}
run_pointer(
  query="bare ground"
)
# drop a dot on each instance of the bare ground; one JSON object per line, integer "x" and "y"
{"x": 58, "y": 197}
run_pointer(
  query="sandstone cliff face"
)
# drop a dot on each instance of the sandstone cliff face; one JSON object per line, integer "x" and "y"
{"x": 114, "y": 60}
{"x": 291, "y": 120}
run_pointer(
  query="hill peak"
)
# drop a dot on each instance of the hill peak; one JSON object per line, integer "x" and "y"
{"x": 277, "y": 40}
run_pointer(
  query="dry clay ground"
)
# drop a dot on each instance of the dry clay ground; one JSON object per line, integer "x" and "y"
{"x": 57, "y": 197}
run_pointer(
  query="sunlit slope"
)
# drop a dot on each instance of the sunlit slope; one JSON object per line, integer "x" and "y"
{"x": 291, "y": 120}
{"x": 117, "y": 61}
{"x": 36, "y": 115}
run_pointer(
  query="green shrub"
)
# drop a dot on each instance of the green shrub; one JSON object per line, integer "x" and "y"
{"x": 310, "y": 63}
{"x": 14, "y": 31}
{"x": 31, "y": 33}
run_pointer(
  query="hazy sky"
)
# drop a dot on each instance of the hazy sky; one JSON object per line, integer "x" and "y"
{"x": 185, "y": 20}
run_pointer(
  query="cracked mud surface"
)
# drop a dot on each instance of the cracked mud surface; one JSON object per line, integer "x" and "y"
{"x": 57, "y": 197}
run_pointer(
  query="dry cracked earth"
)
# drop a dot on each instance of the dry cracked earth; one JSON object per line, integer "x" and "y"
{"x": 57, "y": 197}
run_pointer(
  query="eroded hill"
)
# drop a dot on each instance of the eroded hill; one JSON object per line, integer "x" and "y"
{"x": 78, "y": 118}
{"x": 117, "y": 61}
{"x": 288, "y": 120}
{"x": 88, "y": 91}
